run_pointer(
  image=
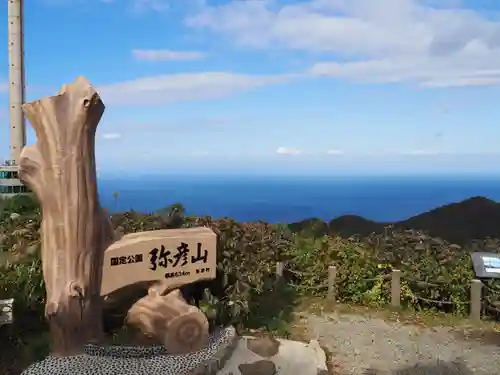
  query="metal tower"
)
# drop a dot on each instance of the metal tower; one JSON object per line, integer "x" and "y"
{"x": 10, "y": 184}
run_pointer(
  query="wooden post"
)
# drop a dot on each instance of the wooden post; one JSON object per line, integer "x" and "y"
{"x": 476, "y": 289}
{"x": 396, "y": 288}
{"x": 280, "y": 267}
{"x": 332, "y": 287}
{"x": 60, "y": 170}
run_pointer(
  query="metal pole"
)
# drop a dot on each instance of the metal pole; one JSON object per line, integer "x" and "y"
{"x": 16, "y": 80}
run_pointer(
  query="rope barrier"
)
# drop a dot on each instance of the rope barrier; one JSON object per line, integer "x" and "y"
{"x": 491, "y": 290}
{"x": 490, "y": 305}
{"x": 491, "y": 308}
{"x": 442, "y": 302}
{"x": 372, "y": 279}
{"x": 425, "y": 283}
{"x": 378, "y": 278}
{"x": 292, "y": 271}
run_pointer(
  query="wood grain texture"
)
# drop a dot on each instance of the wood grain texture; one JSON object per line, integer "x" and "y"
{"x": 180, "y": 327}
{"x": 60, "y": 169}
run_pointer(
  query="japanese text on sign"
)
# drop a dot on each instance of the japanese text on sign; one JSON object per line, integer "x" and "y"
{"x": 162, "y": 257}
{"x": 128, "y": 259}
{"x": 176, "y": 256}
{"x": 169, "y": 275}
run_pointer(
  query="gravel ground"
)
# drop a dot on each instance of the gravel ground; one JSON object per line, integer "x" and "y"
{"x": 372, "y": 346}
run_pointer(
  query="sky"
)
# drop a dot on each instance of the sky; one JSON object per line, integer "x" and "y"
{"x": 274, "y": 86}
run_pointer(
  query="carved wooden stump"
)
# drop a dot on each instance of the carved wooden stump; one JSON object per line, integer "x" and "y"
{"x": 180, "y": 327}
{"x": 60, "y": 170}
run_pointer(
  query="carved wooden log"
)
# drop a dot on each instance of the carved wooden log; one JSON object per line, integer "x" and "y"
{"x": 60, "y": 170}
{"x": 180, "y": 327}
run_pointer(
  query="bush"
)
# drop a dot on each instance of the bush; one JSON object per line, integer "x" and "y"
{"x": 246, "y": 255}
{"x": 245, "y": 292}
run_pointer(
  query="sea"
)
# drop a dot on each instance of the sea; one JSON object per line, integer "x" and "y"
{"x": 289, "y": 199}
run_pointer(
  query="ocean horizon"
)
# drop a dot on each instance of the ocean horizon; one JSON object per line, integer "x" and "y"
{"x": 290, "y": 199}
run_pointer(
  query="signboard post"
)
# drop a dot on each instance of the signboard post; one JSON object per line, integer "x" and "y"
{"x": 80, "y": 258}
{"x": 486, "y": 265}
{"x": 6, "y": 316}
{"x": 167, "y": 259}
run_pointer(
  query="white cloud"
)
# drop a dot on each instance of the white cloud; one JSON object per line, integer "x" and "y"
{"x": 155, "y": 90}
{"x": 137, "y": 6}
{"x": 376, "y": 41}
{"x": 334, "y": 152}
{"x": 421, "y": 152}
{"x": 200, "y": 153}
{"x": 111, "y": 136}
{"x": 154, "y": 5}
{"x": 288, "y": 151}
{"x": 166, "y": 55}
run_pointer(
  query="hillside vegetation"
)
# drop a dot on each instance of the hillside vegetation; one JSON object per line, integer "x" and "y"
{"x": 245, "y": 292}
{"x": 459, "y": 223}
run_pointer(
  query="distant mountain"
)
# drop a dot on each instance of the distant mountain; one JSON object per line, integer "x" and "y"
{"x": 459, "y": 223}
{"x": 315, "y": 227}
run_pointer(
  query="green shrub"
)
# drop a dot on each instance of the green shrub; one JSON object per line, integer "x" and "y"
{"x": 356, "y": 270}
{"x": 245, "y": 292}
{"x": 246, "y": 260}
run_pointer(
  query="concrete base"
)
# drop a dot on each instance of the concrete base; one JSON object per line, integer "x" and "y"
{"x": 227, "y": 354}
{"x": 291, "y": 358}
{"x": 133, "y": 360}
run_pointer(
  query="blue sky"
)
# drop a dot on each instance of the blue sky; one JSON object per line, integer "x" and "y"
{"x": 309, "y": 86}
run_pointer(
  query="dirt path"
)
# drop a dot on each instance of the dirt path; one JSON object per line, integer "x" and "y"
{"x": 371, "y": 345}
